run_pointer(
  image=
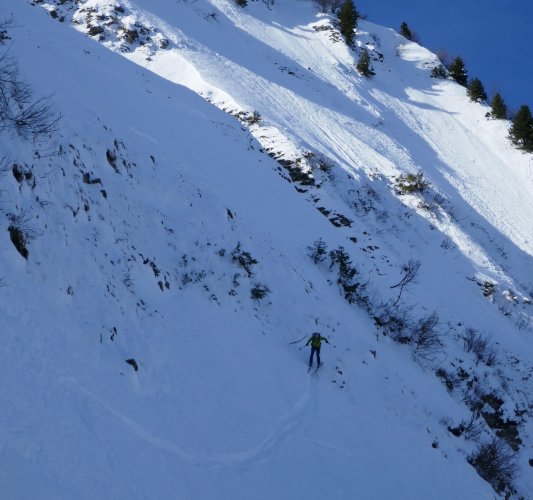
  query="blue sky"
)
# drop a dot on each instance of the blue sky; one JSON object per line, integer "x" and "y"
{"x": 494, "y": 37}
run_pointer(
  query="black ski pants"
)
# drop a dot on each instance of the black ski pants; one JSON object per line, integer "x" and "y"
{"x": 313, "y": 350}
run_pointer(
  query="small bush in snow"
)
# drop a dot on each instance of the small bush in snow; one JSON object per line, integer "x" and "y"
{"x": 481, "y": 347}
{"x": 21, "y": 232}
{"x": 439, "y": 72}
{"x": 422, "y": 335}
{"x": 396, "y": 321}
{"x": 19, "y": 111}
{"x": 318, "y": 161}
{"x": 495, "y": 463}
{"x": 243, "y": 258}
{"x": 254, "y": 118}
{"x": 318, "y": 251}
{"x": 411, "y": 183}
{"x": 347, "y": 272}
{"x": 450, "y": 384}
{"x": 363, "y": 65}
{"x": 259, "y": 292}
{"x": 425, "y": 338}
{"x": 325, "y": 165}
{"x": 410, "y": 272}
{"x": 471, "y": 429}
{"x": 491, "y": 356}
{"x": 241, "y": 3}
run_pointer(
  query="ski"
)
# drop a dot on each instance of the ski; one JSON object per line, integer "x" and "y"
{"x": 315, "y": 370}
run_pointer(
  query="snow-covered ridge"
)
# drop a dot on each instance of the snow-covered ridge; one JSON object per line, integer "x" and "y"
{"x": 162, "y": 197}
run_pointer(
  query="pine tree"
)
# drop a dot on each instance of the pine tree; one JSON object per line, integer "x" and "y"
{"x": 348, "y": 21}
{"x": 458, "y": 71}
{"x": 521, "y": 133}
{"x": 347, "y": 272}
{"x": 241, "y": 3}
{"x": 405, "y": 31}
{"x": 476, "y": 91}
{"x": 363, "y": 65}
{"x": 439, "y": 72}
{"x": 499, "y": 109}
{"x": 318, "y": 251}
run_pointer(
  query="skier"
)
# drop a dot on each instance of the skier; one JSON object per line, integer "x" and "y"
{"x": 315, "y": 340}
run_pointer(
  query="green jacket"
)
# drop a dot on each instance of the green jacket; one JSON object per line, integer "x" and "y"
{"x": 316, "y": 341}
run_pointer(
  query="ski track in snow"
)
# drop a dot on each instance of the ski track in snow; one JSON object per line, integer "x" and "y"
{"x": 304, "y": 407}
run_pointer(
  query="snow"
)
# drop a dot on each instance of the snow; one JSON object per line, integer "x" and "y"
{"x": 139, "y": 266}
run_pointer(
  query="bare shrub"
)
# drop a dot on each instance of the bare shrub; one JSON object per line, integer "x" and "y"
{"x": 492, "y": 357}
{"x": 481, "y": 346}
{"x": 426, "y": 339}
{"x": 22, "y": 231}
{"x": 410, "y": 272}
{"x": 396, "y": 322}
{"x": 23, "y": 221}
{"x": 495, "y": 463}
{"x": 522, "y": 321}
{"x": 471, "y": 429}
{"x": 243, "y": 258}
{"x": 449, "y": 380}
{"x": 31, "y": 118}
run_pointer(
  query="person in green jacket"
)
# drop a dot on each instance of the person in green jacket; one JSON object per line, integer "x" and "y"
{"x": 316, "y": 341}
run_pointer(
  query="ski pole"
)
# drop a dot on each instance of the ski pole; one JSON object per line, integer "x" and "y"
{"x": 297, "y": 341}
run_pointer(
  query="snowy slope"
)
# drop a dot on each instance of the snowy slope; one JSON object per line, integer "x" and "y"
{"x": 145, "y": 192}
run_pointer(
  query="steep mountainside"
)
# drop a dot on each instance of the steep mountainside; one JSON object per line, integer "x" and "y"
{"x": 220, "y": 184}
